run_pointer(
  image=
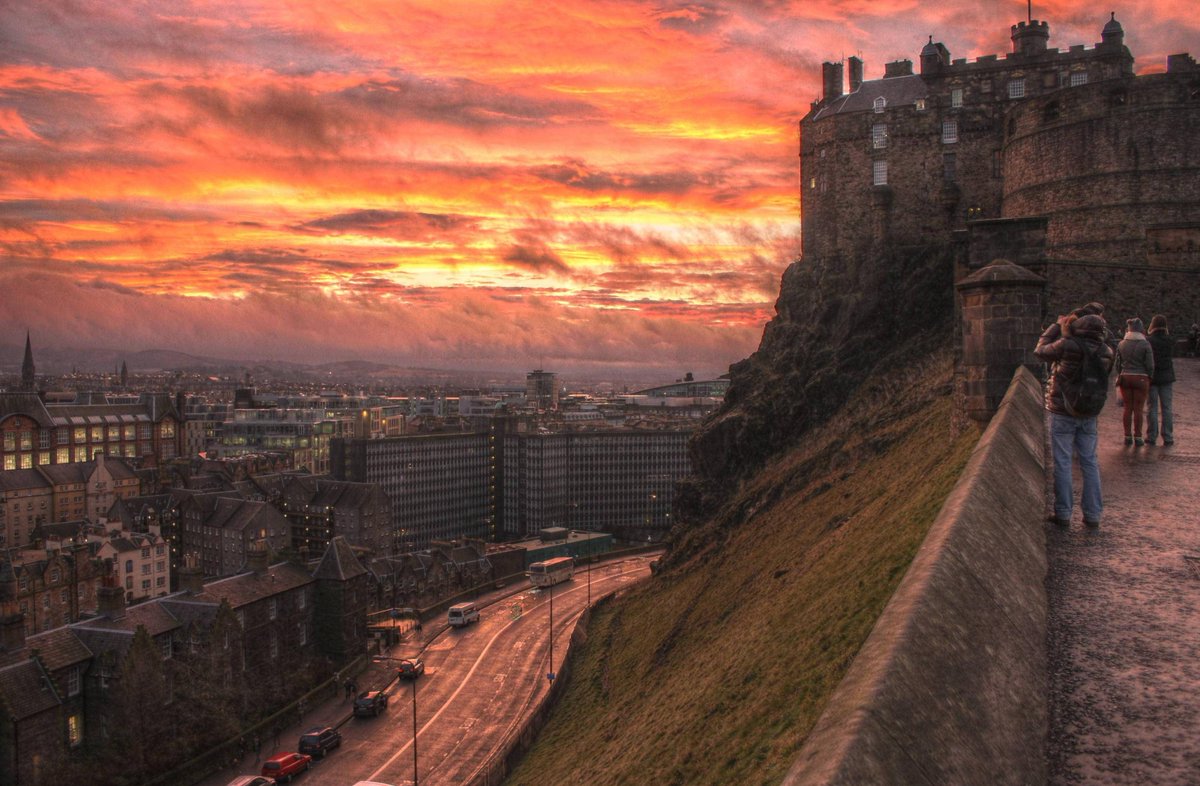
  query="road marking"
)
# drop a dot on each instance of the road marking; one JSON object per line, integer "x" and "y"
{"x": 457, "y": 691}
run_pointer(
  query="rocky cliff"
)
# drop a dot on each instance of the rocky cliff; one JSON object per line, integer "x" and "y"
{"x": 838, "y": 323}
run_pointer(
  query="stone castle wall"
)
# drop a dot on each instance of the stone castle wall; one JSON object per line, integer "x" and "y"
{"x": 1114, "y": 166}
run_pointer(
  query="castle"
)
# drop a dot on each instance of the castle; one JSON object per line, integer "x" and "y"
{"x": 1064, "y": 162}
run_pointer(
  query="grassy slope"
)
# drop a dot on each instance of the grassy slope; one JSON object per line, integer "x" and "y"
{"x": 716, "y": 671}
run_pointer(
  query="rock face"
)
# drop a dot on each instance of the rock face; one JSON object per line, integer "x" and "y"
{"x": 836, "y": 322}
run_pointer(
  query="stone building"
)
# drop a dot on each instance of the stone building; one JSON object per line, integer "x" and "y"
{"x": 319, "y": 509}
{"x": 1062, "y": 157}
{"x": 49, "y": 588}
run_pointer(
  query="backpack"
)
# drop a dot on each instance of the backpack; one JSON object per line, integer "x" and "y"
{"x": 1090, "y": 385}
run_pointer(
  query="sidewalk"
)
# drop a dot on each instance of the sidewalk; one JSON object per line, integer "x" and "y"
{"x": 1124, "y": 613}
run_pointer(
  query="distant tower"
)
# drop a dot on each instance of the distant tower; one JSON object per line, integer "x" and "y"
{"x": 541, "y": 390}
{"x": 124, "y": 374}
{"x": 27, "y": 372}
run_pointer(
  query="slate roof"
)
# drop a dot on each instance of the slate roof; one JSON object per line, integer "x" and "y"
{"x": 21, "y": 479}
{"x": 58, "y": 648}
{"x": 27, "y": 404}
{"x": 896, "y": 90}
{"x": 239, "y": 514}
{"x": 26, "y": 691}
{"x": 246, "y": 588}
{"x": 339, "y": 561}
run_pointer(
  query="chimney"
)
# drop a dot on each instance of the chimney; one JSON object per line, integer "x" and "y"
{"x": 12, "y": 633}
{"x": 856, "y": 73}
{"x": 110, "y": 600}
{"x": 256, "y": 558}
{"x": 897, "y": 68}
{"x": 831, "y": 78}
{"x": 191, "y": 576}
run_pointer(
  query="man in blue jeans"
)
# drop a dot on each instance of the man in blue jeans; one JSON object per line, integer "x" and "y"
{"x": 1064, "y": 345}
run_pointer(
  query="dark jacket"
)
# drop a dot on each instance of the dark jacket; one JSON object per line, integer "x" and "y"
{"x": 1065, "y": 352}
{"x": 1164, "y": 368}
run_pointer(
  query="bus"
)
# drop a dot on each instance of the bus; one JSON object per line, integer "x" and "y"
{"x": 551, "y": 571}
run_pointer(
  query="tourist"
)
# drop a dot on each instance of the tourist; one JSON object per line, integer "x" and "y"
{"x": 1135, "y": 368}
{"x": 1068, "y": 344}
{"x": 1160, "y": 383}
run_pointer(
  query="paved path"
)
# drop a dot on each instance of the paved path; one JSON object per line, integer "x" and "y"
{"x": 1124, "y": 627}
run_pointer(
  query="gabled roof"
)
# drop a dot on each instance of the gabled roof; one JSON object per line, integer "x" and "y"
{"x": 246, "y": 588}
{"x": 59, "y": 648}
{"x": 27, "y": 404}
{"x": 156, "y": 619}
{"x": 21, "y": 479}
{"x": 339, "y": 561}
{"x": 26, "y": 691}
{"x": 895, "y": 90}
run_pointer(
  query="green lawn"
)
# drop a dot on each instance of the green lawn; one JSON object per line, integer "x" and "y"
{"x": 715, "y": 671}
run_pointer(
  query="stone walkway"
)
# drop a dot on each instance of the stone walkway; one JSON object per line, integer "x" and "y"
{"x": 1124, "y": 624}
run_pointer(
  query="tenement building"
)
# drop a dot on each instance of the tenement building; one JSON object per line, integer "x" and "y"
{"x": 1061, "y": 160}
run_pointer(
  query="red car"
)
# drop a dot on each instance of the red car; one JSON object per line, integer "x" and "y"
{"x": 285, "y": 766}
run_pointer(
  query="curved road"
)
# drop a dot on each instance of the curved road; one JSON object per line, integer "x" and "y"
{"x": 479, "y": 683}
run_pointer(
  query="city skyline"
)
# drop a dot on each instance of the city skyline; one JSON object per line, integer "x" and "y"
{"x": 447, "y": 185}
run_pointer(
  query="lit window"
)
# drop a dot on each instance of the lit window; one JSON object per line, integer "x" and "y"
{"x": 1016, "y": 88}
{"x": 879, "y": 173}
{"x": 75, "y": 729}
{"x": 880, "y": 104}
{"x": 879, "y": 135}
{"x": 956, "y": 96}
{"x": 1078, "y": 78}
{"x": 949, "y": 131}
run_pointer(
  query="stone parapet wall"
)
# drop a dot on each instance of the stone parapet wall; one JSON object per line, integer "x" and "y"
{"x": 950, "y": 687}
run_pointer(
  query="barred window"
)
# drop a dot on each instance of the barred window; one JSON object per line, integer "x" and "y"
{"x": 956, "y": 97}
{"x": 1078, "y": 78}
{"x": 879, "y": 172}
{"x": 949, "y": 131}
{"x": 879, "y": 135}
{"x": 1016, "y": 88}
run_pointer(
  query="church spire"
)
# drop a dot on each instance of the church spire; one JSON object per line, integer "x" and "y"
{"x": 27, "y": 371}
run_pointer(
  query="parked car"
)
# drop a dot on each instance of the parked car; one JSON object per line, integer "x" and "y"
{"x": 371, "y": 702}
{"x": 285, "y": 766}
{"x": 251, "y": 780}
{"x": 319, "y": 741}
{"x": 410, "y": 668}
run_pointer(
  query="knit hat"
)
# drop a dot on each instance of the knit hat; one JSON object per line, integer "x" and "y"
{"x": 1135, "y": 325}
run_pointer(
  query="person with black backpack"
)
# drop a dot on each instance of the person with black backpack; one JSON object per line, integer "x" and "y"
{"x": 1075, "y": 395}
{"x": 1135, "y": 369}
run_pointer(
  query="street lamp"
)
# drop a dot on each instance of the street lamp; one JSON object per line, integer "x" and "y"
{"x": 550, "y": 673}
{"x": 380, "y": 659}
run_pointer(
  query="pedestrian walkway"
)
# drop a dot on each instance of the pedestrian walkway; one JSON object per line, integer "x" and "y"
{"x": 1124, "y": 613}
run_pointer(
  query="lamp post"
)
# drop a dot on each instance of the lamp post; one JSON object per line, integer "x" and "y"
{"x": 379, "y": 659}
{"x": 550, "y": 673}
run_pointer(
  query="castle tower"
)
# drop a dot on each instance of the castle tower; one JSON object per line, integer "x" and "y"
{"x": 1113, "y": 34}
{"x": 1029, "y": 38}
{"x": 27, "y": 371}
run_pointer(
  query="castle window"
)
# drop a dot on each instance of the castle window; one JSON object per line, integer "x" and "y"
{"x": 949, "y": 161}
{"x": 1078, "y": 78}
{"x": 880, "y": 104}
{"x": 920, "y": 104}
{"x": 879, "y": 172}
{"x": 956, "y": 97}
{"x": 1050, "y": 112}
{"x": 949, "y": 131}
{"x": 75, "y": 730}
{"x": 1016, "y": 88}
{"x": 812, "y": 182}
{"x": 879, "y": 135}
{"x": 997, "y": 164}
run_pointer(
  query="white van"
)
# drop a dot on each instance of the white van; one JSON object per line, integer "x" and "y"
{"x": 462, "y": 614}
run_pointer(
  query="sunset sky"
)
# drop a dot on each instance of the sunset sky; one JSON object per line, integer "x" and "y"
{"x": 561, "y": 184}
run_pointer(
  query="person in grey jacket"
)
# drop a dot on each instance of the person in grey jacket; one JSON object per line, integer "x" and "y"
{"x": 1135, "y": 368}
{"x": 1160, "y": 383}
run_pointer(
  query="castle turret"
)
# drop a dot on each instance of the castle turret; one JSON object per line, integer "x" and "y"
{"x": 934, "y": 57}
{"x": 1113, "y": 34}
{"x": 1029, "y": 38}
